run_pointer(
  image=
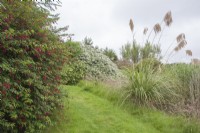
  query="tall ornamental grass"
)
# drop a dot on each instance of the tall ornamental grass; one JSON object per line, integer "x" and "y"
{"x": 149, "y": 86}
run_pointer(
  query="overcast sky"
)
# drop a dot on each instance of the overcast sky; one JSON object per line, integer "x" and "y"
{"x": 106, "y": 21}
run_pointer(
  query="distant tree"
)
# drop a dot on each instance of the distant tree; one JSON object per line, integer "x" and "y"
{"x": 134, "y": 52}
{"x": 111, "y": 54}
{"x": 131, "y": 52}
{"x": 149, "y": 51}
{"x": 126, "y": 51}
{"x": 87, "y": 41}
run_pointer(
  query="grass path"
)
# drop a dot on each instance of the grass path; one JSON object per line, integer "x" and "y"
{"x": 88, "y": 113}
{"x": 91, "y": 114}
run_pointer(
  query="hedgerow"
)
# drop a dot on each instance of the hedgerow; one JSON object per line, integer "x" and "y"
{"x": 31, "y": 58}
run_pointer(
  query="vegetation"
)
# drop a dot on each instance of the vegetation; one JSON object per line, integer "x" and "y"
{"x": 148, "y": 86}
{"x": 167, "y": 87}
{"x": 74, "y": 69}
{"x": 140, "y": 93}
{"x": 31, "y": 57}
{"x": 111, "y": 54}
{"x": 87, "y": 41}
{"x": 189, "y": 88}
{"x": 98, "y": 65}
{"x": 94, "y": 107}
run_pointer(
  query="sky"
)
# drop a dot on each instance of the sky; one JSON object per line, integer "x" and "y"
{"x": 107, "y": 22}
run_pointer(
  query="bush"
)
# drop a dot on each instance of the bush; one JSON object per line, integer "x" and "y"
{"x": 74, "y": 70}
{"x": 98, "y": 65}
{"x": 31, "y": 57}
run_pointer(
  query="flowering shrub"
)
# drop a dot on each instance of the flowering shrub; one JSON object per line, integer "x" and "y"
{"x": 98, "y": 65}
{"x": 31, "y": 57}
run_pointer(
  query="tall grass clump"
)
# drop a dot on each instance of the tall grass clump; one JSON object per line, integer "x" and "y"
{"x": 194, "y": 95}
{"x": 149, "y": 87}
{"x": 189, "y": 79}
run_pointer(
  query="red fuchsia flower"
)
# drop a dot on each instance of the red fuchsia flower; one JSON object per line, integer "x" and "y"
{"x": 5, "y": 28}
{"x": 6, "y": 85}
{"x": 56, "y": 90}
{"x": 17, "y": 97}
{"x": 47, "y": 114}
{"x": 57, "y": 78}
{"x": 44, "y": 77}
{"x": 7, "y": 20}
{"x": 48, "y": 53}
{"x": 37, "y": 55}
{"x": 22, "y": 37}
{"x": 38, "y": 49}
{"x": 3, "y": 92}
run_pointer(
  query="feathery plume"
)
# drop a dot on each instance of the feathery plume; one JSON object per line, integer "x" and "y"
{"x": 176, "y": 49}
{"x": 145, "y": 31}
{"x": 131, "y": 25}
{"x": 168, "y": 18}
{"x": 157, "y": 28}
{"x": 180, "y": 37}
{"x": 188, "y": 52}
{"x": 182, "y": 44}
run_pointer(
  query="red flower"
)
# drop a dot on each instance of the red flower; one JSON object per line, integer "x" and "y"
{"x": 3, "y": 92}
{"x": 38, "y": 49}
{"x": 17, "y": 97}
{"x": 6, "y": 85}
{"x": 44, "y": 77}
{"x": 57, "y": 78}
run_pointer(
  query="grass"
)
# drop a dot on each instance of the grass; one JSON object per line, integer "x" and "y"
{"x": 91, "y": 108}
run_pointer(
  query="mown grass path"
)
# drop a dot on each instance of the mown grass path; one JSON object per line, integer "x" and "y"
{"x": 86, "y": 112}
{"x": 89, "y": 113}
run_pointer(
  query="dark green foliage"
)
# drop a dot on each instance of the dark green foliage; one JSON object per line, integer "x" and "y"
{"x": 111, "y": 54}
{"x": 74, "y": 69}
{"x": 31, "y": 58}
{"x": 154, "y": 63}
{"x": 87, "y": 41}
{"x": 134, "y": 52}
{"x": 150, "y": 51}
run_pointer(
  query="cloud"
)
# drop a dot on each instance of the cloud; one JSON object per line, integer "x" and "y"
{"x": 106, "y": 21}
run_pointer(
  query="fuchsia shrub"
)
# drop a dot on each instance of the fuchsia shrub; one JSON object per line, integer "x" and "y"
{"x": 31, "y": 59}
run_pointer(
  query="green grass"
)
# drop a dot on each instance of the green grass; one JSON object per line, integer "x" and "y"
{"x": 91, "y": 108}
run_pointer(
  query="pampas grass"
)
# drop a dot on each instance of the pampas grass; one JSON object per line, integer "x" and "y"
{"x": 131, "y": 25}
{"x": 180, "y": 37}
{"x": 157, "y": 28}
{"x": 168, "y": 18}
{"x": 145, "y": 31}
{"x": 188, "y": 52}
